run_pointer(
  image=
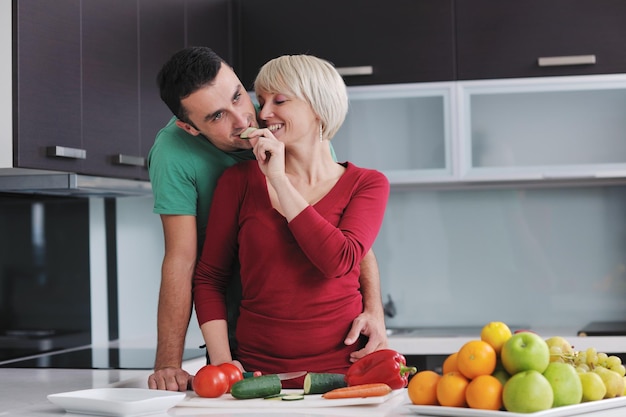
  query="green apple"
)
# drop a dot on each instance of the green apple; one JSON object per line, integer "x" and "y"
{"x": 527, "y": 392}
{"x": 566, "y": 385}
{"x": 525, "y": 351}
{"x": 613, "y": 382}
{"x": 593, "y": 386}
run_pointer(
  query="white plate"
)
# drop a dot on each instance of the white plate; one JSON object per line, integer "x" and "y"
{"x": 309, "y": 401}
{"x": 117, "y": 401}
{"x": 569, "y": 410}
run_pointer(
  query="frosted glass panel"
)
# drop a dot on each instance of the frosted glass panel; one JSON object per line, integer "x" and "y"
{"x": 394, "y": 134}
{"x": 548, "y": 128}
{"x": 538, "y": 257}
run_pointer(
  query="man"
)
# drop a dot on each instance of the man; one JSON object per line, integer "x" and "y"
{"x": 211, "y": 109}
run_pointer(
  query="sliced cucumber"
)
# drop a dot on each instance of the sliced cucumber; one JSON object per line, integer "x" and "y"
{"x": 245, "y": 133}
{"x": 321, "y": 383}
{"x": 256, "y": 387}
{"x": 292, "y": 397}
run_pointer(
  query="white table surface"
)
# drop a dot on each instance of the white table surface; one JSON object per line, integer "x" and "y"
{"x": 23, "y": 392}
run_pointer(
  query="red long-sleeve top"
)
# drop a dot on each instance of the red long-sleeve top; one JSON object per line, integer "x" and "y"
{"x": 300, "y": 280}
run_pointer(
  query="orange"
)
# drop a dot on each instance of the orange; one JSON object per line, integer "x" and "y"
{"x": 451, "y": 390}
{"x": 484, "y": 392}
{"x": 449, "y": 365}
{"x": 422, "y": 388}
{"x": 476, "y": 358}
{"x": 496, "y": 333}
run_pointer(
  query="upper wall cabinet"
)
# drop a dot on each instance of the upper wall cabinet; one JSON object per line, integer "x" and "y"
{"x": 396, "y": 41}
{"x": 537, "y": 38}
{"x": 85, "y": 72}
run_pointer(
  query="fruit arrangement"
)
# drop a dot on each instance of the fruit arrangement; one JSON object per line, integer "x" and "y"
{"x": 519, "y": 372}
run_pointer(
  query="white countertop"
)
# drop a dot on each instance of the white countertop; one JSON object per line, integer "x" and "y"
{"x": 24, "y": 391}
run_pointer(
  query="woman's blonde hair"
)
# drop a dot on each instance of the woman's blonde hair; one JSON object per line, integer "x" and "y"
{"x": 311, "y": 79}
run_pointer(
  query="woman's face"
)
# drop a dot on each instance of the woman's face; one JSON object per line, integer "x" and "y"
{"x": 290, "y": 118}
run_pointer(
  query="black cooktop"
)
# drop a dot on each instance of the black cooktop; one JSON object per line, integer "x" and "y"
{"x": 96, "y": 358}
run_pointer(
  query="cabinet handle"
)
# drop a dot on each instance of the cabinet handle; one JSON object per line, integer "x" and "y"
{"x": 559, "y": 61}
{"x": 352, "y": 71}
{"x": 65, "y": 152}
{"x": 121, "y": 159}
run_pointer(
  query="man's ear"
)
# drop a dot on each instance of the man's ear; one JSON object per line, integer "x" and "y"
{"x": 187, "y": 128}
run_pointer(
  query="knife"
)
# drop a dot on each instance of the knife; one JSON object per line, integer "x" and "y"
{"x": 282, "y": 376}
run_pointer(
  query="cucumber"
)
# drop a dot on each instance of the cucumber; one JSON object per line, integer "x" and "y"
{"x": 322, "y": 383}
{"x": 293, "y": 397}
{"x": 256, "y": 387}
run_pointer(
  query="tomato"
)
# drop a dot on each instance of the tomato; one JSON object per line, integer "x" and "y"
{"x": 233, "y": 374}
{"x": 210, "y": 381}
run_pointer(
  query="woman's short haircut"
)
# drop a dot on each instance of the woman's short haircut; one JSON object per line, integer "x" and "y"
{"x": 311, "y": 79}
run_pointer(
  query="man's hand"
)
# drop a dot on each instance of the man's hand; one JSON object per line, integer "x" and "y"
{"x": 370, "y": 326}
{"x": 170, "y": 379}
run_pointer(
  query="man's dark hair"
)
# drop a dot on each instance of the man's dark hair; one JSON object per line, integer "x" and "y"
{"x": 185, "y": 72}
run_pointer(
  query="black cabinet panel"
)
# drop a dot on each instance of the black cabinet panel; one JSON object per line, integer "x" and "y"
{"x": 161, "y": 34}
{"x": 47, "y": 82}
{"x": 505, "y": 38}
{"x": 209, "y": 24}
{"x": 403, "y": 40}
{"x": 110, "y": 84}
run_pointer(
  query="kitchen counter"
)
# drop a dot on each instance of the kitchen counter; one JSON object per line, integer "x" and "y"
{"x": 444, "y": 345}
{"x": 24, "y": 394}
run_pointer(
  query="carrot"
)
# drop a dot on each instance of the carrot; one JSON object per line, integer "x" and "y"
{"x": 358, "y": 391}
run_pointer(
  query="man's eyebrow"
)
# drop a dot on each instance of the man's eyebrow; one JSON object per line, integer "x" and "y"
{"x": 211, "y": 116}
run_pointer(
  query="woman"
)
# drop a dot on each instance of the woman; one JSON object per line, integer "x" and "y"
{"x": 298, "y": 222}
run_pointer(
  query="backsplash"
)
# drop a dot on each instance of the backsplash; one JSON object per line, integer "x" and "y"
{"x": 549, "y": 257}
{"x": 44, "y": 264}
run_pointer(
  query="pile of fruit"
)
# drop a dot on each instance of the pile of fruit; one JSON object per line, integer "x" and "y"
{"x": 519, "y": 372}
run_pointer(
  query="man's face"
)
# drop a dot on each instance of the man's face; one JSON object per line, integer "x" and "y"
{"x": 220, "y": 112}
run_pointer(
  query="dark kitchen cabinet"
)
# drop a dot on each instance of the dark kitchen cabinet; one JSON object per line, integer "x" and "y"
{"x": 85, "y": 78}
{"x": 47, "y": 87}
{"x": 110, "y": 69}
{"x": 537, "y": 38}
{"x": 400, "y": 41}
{"x": 156, "y": 45}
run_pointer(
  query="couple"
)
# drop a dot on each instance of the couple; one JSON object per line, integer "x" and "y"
{"x": 297, "y": 224}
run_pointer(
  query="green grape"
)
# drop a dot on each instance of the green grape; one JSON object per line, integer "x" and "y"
{"x": 580, "y": 358}
{"x": 613, "y": 361}
{"x": 582, "y": 368}
{"x": 620, "y": 369}
{"x": 602, "y": 358}
{"x": 592, "y": 356}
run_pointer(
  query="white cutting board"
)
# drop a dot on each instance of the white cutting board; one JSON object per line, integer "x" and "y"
{"x": 310, "y": 401}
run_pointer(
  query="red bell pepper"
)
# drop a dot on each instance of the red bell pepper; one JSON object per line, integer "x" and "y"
{"x": 382, "y": 366}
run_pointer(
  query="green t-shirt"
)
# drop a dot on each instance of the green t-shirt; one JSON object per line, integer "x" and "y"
{"x": 184, "y": 170}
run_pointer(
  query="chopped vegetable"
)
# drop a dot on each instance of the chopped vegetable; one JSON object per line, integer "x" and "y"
{"x": 256, "y": 387}
{"x": 245, "y": 133}
{"x": 292, "y": 397}
{"x": 319, "y": 383}
{"x": 359, "y": 391}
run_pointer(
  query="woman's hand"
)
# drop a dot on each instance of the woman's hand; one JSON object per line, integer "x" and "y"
{"x": 269, "y": 152}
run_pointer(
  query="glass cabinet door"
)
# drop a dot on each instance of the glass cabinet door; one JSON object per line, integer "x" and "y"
{"x": 559, "y": 128}
{"x": 401, "y": 130}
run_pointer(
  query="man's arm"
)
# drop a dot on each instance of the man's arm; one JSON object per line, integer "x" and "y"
{"x": 175, "y": 302}
{"x": 371, "y": 322}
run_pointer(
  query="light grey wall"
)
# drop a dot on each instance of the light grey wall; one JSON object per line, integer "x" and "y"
{"x": 139, "y": 256}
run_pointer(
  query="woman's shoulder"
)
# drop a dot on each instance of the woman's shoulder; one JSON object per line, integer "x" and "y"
{"x": 362, "y": 172}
